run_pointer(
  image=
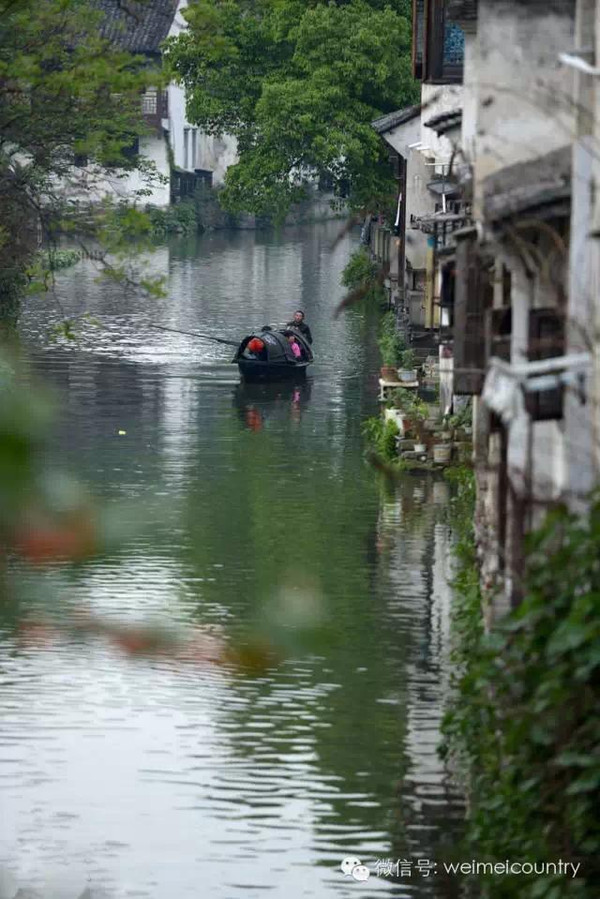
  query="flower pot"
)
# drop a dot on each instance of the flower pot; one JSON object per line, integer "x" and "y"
{"x": 388, "y": 373}
{"x": 394, "y": 415}
{"x": 420, "y": 448}
{"x": 445, "y": 435}
{"x": 407, "y": 375}
{"x": 442, "y": 453}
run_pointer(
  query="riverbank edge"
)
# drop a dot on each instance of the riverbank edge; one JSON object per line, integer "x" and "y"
{"x": 519, "y": 734}
{"x": 202, "y": 211}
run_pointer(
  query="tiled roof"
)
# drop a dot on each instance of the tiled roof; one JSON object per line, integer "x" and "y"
{"x": 135, "y": 26}
{"x": 445, "y": 121}
{"x": 393, "y": 119}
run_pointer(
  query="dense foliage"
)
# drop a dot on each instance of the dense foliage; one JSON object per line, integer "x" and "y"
{"x": 297, "y": 82}
{"x": 381, "y": 437}
{"x": 65, "y": 94}
{"x": 524, "y": 720}
{"x": 391, "y": 344}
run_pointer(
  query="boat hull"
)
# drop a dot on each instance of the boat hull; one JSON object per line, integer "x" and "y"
{"x": 256, "y": 370}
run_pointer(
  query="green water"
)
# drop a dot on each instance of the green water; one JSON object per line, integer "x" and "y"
{"x": 249, "y": 514}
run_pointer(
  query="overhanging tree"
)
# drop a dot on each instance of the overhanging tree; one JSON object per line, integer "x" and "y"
{"x": 298, "y": 84}
{"x": 65, "y": 93}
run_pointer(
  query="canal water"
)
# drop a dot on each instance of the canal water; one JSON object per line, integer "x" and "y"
{"x": 248, "y": 515}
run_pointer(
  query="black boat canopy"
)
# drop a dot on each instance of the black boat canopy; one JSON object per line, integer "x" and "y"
{"x": 277, "y": 345}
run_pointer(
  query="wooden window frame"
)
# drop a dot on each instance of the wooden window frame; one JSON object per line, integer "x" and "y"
{"x": 429, "y": 28}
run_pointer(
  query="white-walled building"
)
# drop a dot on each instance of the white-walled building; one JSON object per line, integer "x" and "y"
{"x": 180, "y": 151}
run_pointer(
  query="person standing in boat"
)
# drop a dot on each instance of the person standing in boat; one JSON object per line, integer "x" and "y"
{"x": 300, "y": 325}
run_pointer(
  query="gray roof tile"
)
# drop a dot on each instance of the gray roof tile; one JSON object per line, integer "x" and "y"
{"x": 134, "y": 26}
{"x": 390, "y": 121}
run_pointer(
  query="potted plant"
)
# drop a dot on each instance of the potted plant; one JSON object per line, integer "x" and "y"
{"x": 403, "y": 402}
{"x": 387, "y": 349}
{"x": 408, "y": 371}
{"x": 391, "y": 346}
{"x": 466, "y": 420}
{"x": 419, "y": 413}
{"x": 392, "y": 413}
{"x": 454, "y": 424}
{"x": 442, "y": 453}
{"x": 413, "y": 413}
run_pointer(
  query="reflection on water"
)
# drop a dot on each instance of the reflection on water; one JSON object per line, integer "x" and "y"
{"x": 260, "y": 403}
{"x": 249, "y": 511}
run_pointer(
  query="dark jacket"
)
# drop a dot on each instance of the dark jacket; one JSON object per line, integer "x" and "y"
{"x": 302, "y": 328}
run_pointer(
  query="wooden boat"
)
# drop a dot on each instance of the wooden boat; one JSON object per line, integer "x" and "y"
{"x": 277, "y": 361}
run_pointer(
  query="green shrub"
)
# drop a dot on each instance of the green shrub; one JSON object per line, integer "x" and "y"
{"x": 408, "y": 359}
{"x": 381, "y": 436}
{"x": 359, "y": 269}
{"x": 363, "y": 276}
{"x": 181, "y": 218}
{"x": 55, "y": 260}
{"x": 391, "y": 345}
{"x": 524, "y": 719}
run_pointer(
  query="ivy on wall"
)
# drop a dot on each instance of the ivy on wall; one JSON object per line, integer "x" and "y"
{"x": 524, "y": 723}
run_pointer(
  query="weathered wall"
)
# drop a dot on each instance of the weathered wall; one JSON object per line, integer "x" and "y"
{"x": 127, "y": 187}
{"x": 583, "y": 441}
{"x": 419, "y": 200}
{"x": 177, "y": 123}
{"x": 524, "y": 94}
{"x": 594, "y": 271}
{"x": 216, "y": 154}
{"x": 469, "y": 100}
{"x": 437, "y": 99}
{"x": 402, "y": 136}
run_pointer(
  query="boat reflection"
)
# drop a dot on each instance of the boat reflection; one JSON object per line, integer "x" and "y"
{"x": 259, "y": 403}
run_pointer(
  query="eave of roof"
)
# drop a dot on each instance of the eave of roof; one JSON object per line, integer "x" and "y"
{"x": 393, "y": 119}
{"x": 445, "y": 121}
{"x": 134, "y": 26}
{"x": 528, "y": 186}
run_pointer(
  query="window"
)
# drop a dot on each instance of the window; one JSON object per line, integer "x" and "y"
{"x": 438, "y": 43}
{"x": 546, "y": 340}
{"x": 155, "y": 108}
{"x": 150, "y": 102}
